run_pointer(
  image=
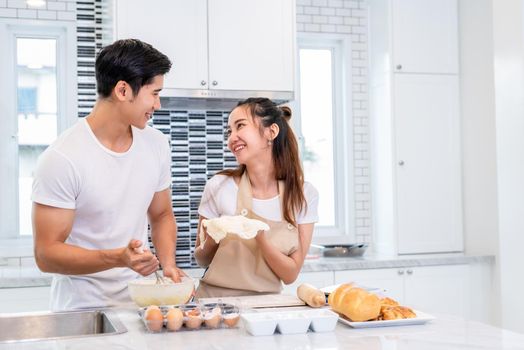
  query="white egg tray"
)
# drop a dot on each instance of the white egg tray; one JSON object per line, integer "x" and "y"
{"x": 289, "y": 321}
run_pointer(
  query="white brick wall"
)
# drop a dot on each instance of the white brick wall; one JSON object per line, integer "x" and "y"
{"x": 350, "y": 18}
{"x": 64, "y": 10}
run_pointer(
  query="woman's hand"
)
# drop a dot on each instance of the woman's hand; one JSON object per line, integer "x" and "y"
{"x": 208, "y": 239}
{"x": 286, "y": 267}
{"x": 204, "y": 253}
{"x": 261, "y": 237}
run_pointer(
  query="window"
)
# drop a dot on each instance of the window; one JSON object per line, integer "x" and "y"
{"x": 37, "y": 114}
{"x": 324, "y": 128}
{"x": 38, "y": 84}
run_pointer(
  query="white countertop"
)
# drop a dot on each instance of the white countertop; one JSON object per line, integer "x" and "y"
{"x": 445, "y": 332}
{"x": 380, "y": 261}
{"x": 18, "y": 277}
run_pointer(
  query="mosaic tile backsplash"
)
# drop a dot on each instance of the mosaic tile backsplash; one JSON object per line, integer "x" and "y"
{"x": 198, "y": 147}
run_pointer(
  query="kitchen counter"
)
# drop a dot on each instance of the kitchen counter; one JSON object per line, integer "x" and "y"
{"x": 445, "y": 332}
{"x": 377, "y": 261}
{"x": 17, "y": 277}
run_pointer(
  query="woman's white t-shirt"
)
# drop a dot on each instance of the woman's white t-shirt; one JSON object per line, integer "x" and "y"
{"x": 220, "y": 198}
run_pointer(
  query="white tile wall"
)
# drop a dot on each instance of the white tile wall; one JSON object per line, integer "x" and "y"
{"x": 9, "y": 13}
{"x": 19, "y": 4}
{"x": 44, "y": 14}
{"x": 56, "y": 5}
{"x": 26, "y": 13}
{"x": 349, "y": 17}
{"x": 53, "y": 10}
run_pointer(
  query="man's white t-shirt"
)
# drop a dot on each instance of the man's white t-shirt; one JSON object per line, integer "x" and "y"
{"x": 220, "y": 198}
{"x": 110, "y": 193}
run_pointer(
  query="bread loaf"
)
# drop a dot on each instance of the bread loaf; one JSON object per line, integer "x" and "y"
{"x": 355, "y": 303}
{"x": 310, "y": 295}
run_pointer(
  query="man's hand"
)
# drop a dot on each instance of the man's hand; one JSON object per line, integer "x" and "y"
{"x": 174, "y": 273}
{"x": 139, "y": 259}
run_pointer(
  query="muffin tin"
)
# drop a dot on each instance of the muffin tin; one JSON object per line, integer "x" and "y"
{"x": 194, "y": 317}
{"x": 289, "y": 321}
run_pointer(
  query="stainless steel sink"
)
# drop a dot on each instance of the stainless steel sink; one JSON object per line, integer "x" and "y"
{"x": 58, "y": 325}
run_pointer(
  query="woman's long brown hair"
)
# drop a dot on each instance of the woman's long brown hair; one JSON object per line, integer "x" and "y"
{"x": 286, "y": 160}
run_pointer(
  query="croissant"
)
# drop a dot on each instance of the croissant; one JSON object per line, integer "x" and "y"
{"x": 396, "y": 312}
{"x": 355, "y": 303}
{"x": 388, "y": 302}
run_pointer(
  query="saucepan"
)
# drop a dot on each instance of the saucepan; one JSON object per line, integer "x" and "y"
{"x": 342, "y": 250}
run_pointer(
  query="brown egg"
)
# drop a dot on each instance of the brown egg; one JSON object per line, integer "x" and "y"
{"x": 193, "y": 319}
{"x": 175, "y": 318}
{"x": 154, "y": 318}
{"x": 231, "y": 320}
{"x": 212, "y": 317}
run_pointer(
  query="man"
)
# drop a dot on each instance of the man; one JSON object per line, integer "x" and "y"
{"x": 95, "y": 184}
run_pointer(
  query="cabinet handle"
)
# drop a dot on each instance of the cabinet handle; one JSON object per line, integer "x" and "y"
{"x": 401, "y": 162}
{"x": 399, "y": 67}
{"x": 409, "y": 271}
{"x": 203, "y": 83}
{"x": 215, "y": 83}
{"x": 400, "y": 272}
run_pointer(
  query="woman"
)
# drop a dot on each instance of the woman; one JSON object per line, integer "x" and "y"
{"x": 268, "y": 186}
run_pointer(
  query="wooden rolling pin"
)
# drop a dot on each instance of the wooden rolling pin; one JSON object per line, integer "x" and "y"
{"x": 311, "y": 295}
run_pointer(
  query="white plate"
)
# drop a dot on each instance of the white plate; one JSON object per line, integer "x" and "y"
{"x": 420, "y": 319}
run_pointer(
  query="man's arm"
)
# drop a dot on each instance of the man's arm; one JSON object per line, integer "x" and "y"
{"x": 52, "y": 226}
{"x": 164, "y": 232}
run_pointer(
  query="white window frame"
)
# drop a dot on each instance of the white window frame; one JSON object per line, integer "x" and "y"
{"x": 11, "y": 29}
{"x": 340, "y": 45}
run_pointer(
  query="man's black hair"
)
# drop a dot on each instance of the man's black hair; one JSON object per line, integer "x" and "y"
{"x": 130, "y": 60}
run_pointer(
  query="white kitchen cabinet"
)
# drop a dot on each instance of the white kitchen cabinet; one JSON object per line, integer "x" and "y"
{"x": 389, "y": 280}
{"x": 24, "y": 299}
{"x": 318, "y": 279}
{"x": 415, "y": 127}
{"x": 432, "y": 289}
{"x": 251, "y": 44}
{"x": 427, "y": 169}
{"x": 438, "y": 289}
{"x": 417, "y": 199}
{"x": 178, "y": 28}
{"x": 425, "y": 36}
{"x": 216, "y": 45}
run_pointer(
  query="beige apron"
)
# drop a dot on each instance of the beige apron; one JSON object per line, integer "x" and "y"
{"x": 238, "y": 267}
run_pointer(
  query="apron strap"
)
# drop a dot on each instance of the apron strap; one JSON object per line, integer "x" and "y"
{"x": 245, "y": 196}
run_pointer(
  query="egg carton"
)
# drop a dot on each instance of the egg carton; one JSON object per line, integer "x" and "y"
{"x": 289, "y": 321}
{"x": 194, "y": 317}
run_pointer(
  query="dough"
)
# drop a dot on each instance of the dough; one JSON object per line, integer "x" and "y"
{"x": 239, "y": 225}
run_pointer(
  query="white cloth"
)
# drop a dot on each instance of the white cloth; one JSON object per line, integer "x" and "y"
{"x": 220, "y": 198}
{"x": 110, "y": 193}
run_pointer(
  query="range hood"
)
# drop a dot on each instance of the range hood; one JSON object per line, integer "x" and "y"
{"x": 216, "y": 99}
